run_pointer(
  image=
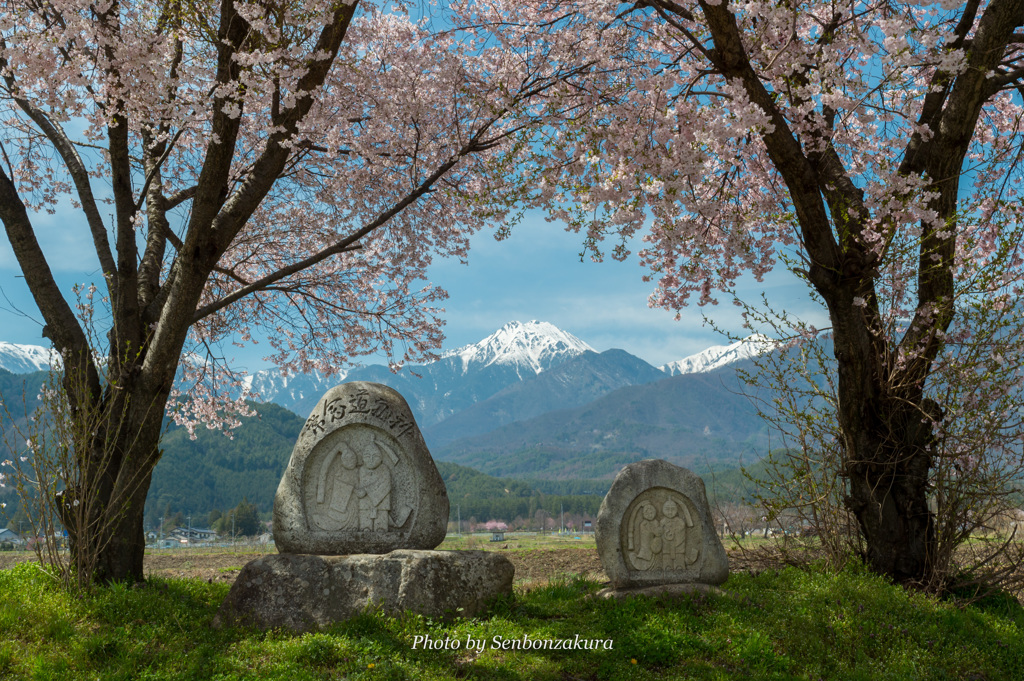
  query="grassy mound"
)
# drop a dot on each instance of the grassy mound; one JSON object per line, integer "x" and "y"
{"x": 782, "y": 625}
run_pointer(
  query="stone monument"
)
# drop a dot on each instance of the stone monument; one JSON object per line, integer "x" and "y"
{"x": 654, "y": 532}
{"x": 358, "y": 508}
{"x": 306, "y": 592}
{"x": 360, "y": 479}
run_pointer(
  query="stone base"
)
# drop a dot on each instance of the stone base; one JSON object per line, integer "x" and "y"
{"x": 658, "y": 590}
{"x": 304, "y": 592}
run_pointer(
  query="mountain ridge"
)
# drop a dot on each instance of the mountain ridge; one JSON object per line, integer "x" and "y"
{"x": 718, "y": 356}
{"x": 572, "y": 383}
{"x": 687, "y": 419}
{"x": 25, "y": 359}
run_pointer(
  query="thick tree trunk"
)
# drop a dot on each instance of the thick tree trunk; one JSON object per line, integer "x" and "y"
{"x": 114, "y": 550}
{"x": 121, "y": 559}
{"x": 104, "y": 509}
{"x": 888, "y": 445}
{"x": 888, "y": 494}
{"x": 891, "y": 506}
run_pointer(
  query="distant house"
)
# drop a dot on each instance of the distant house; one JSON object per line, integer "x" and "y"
{"x": 8, "y": 535}
{"x": 192, "y": 535}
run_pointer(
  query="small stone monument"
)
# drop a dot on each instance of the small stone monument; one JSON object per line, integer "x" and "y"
{"x": 361, "y": 483}
{"x": 654, "y": 532}
{"x": 360, "y": 479}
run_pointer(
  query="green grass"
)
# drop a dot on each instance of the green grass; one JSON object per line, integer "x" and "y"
{"x": 779, "y": 625}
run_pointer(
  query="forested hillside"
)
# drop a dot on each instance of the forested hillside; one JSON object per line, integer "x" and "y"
{"x": 18, "y": 396}
{"x": 215, "y": 472}
{"x": 693, "y": 420}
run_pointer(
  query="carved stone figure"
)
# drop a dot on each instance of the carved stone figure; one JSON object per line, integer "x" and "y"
{"x": 360, "y": 479}
{"x": 674, "y": 529}
{"x": 654, "y": 528}
{"x": 668, "y": 540}
{"x": 374, "y": 491}
{"x": 645, "y": 543}
{"x": 337, "y": 506}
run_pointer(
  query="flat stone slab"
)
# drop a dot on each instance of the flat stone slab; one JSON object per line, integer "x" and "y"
{"x": 360, "y": 479}
{"x": 306, "y": 592}
{"x": 658, "y": 591}
{"x": 654, "y": 527}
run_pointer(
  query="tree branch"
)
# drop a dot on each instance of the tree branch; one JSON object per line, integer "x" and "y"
{"x": 340, "y": 247}
{"x": 731, "y": 60}
{"x": 62, "y": 326}
{"x": 76, "y": 168}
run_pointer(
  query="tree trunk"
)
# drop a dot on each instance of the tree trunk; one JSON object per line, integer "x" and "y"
{"x": 103, "y": 510}
{"x": 888, "y": 446}
{"x": 121, "y": 559}
{"x": 115, "y": 552}
{"x": 888, "y": 494}
{"x": 891, "y": 506}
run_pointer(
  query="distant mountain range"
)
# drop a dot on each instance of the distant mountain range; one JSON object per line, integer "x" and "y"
{"x": 691, "y": 420}
{"x": 528, "y": 401}
{"x": 718, "y": 356}
{"x": 24, "y": 359}
{"x": 524, "y": 349}
{"x": 572, "y": 383}
{"x": 459, "y": 379}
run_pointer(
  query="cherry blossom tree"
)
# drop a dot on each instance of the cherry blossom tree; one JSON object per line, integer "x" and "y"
{"x": 282, "y": 169}
{"x": 872, "y": 146}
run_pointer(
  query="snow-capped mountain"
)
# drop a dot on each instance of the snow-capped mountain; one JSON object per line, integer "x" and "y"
{"x": 718, "y": 356}
{"x": 24, "y": 359}
{"x": 575, "y": 382}
{"x": 532, "y": 346}
{"x": 271, "y": 386}
{"x": 460, "y": 378}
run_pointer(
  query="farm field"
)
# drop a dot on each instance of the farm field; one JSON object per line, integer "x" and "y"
{"x": 537, "y": 558}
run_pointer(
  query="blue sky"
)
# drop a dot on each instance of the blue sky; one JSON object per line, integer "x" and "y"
{"x": 535, "y": 274}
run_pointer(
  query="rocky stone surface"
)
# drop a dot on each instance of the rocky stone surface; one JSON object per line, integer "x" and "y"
{"x": 302, "y": 592}
{"x": 360, "y": 479}
{"x": 654, "y": 527}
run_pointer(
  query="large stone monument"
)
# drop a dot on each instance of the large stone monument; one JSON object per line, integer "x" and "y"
{"x": 360, "y": 494}
{"x": 654, "y": 531}
{"x": 360, "y": 479}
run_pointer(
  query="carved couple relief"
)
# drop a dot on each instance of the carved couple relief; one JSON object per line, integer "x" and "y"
{"x": 357, "y": 481}
{"x": 662, "y": 531}
{"x": 353, "y": 490}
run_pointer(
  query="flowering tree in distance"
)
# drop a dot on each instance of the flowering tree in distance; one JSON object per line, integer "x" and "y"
{"x": 288, "y": 168}
{"x": 873, "y": 146}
